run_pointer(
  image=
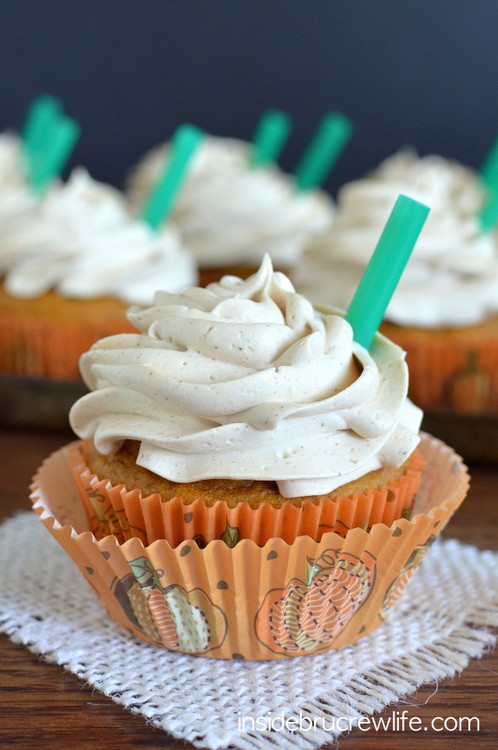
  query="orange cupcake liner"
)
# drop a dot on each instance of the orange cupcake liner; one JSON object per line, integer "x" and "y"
{"x": 113, "y": 509}
{"x": 250, "y": 602}
{"x": 43, "y": 348}
{"x": 458, "y": 373}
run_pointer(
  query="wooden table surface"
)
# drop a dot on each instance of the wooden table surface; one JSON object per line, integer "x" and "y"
{"x": 42, "y": 705}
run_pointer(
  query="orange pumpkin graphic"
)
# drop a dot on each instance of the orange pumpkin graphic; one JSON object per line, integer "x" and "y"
{"x": 308, "y": 615}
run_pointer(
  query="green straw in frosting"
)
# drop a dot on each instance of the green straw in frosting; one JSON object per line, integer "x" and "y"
{"x": 384, "y": 270}
{"x": 184, "y": 144}
{"x": 271, "y": 135}
{"x": 333, "y": 132}
{"x": 489, "y": 167}
{"x": 56, "y": 153}
{"x": 488, "y": 218}
{"x": 43, "y": 114}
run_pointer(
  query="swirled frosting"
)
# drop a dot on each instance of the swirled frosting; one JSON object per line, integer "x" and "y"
{"x": 245, "y": 380}
{"x": 231, "y": 213}
{"x": 82, "y": 242}
{"x": 452, "y": 276}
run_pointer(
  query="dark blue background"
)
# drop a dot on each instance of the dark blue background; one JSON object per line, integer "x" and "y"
{"x": 423, "y": 72}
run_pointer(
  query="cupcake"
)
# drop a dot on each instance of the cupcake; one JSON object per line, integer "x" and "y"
{"x": 214, "y": 445}
{"x": 209, "y": 404}
{"x": 231, "y": 214}
{"x": 444, "y": 312}
{"x": 71, "y": 265}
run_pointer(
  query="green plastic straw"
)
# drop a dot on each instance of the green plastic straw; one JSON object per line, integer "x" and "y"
{"x": 489, "y": 167}
{"x": 56, "y": 153}
{"x": 43, "y": 114}
{"x": 185, "y": 142}
{"x": 488, "y": 218}
{"x": 384, "y": 270}
{"x": 271, "y": 135}
{"x": 333, "y": 132}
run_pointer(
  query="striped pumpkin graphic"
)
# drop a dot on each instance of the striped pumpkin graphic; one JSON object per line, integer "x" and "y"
{"x": 308, "y": 615}
{"x": 172, "y": 617}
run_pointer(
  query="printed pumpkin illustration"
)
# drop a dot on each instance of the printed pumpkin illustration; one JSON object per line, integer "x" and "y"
{"x": 172, "y": 617}
{"x": 231, "y": 536}
{"x": 106, "y": 520}
{"x": 469, "y": 389}
{"x": 309, "y": 614}
{"x": 402, "y": 580}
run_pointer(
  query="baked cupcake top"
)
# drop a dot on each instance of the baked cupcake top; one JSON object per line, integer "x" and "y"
{"x": 81, "y": 241}
{"x": 452, "y": 276}
{"x": 232, "y": 213}
{"x": 245, "y": 380}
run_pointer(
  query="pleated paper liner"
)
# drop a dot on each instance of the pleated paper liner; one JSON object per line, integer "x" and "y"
{"x": 45, "y": 337}
{"x": 126, "y": 514}
{"x": 248, "y": 602}
{"x": 454, "y": 369}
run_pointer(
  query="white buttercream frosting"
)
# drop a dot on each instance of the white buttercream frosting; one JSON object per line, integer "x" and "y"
{"x": 245, "y": 380}
{"x": 230, "y": 213}
{"x": 82, "y": 241}
{"x": 452, "y": 276}
{"x": 16, "y": 196}
{"x": 13, "y": 172}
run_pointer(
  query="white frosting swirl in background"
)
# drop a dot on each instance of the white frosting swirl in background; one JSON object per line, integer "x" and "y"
{"x": 245, "y": 380}
{"x": 81, "y": 241}
{"x": 231, "y": 213}
{"x": 15, "y": 194}
{"x": 452, "y": 276}
{"x": 17, "y": 199}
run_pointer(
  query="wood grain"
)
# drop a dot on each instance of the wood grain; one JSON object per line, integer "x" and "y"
{"x": 43, "y": 705}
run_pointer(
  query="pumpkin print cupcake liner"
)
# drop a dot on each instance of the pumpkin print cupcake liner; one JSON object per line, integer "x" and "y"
{"x": 454, "y": 369}
{"x": 113, "y": 509}
{"x": 276, "y": 601}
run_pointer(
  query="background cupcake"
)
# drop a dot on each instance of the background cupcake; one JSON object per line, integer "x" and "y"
{"x": 236, "y": 204}
{"x": 72, "y": 260}
{"x": 445, "y": 310}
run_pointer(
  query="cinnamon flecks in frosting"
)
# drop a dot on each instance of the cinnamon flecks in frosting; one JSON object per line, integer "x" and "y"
{"x": 245, "y": 380}
{"x": 452, "y": 276}
{"x": 230, "y": 213}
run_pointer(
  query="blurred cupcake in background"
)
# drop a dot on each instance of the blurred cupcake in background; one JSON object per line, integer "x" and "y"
{"x": 71, "y": 263}
{"x": 237, "y": 205}
{"x": 444, "y": 312}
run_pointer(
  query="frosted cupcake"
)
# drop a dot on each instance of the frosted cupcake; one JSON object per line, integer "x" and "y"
{"x": 244, "y": 379}
{"x": 71, "y": 265}
{"x": 72, "y": 257}
{"x": 233, "y": 211}
{"x": 240, "y": 406}
{"x": 244, "y": 384}
{"x": 444, "y": 312}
